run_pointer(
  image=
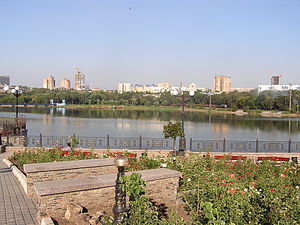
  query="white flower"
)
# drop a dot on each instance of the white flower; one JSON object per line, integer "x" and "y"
{"x": 297, "y": 187}
{"x": 189, "y": 180}
{"x": 245, "y": 189}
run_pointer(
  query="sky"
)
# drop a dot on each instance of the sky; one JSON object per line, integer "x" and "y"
{"x": 150, "y": 41}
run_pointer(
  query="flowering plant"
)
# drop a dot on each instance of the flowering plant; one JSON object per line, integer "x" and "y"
{"x": 239, "y": 192}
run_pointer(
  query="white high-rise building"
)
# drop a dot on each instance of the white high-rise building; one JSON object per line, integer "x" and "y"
{"x": 124, "y": 87}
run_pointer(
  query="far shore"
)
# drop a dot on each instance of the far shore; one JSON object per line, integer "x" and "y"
{"x": 262, "y": 113}
{"x": 239, "y": 112}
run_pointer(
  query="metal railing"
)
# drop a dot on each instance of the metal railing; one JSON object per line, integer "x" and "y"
{"x": 244, "y": 146}
{"x": 103, "y": 142}
{"x": 146, "y": 143}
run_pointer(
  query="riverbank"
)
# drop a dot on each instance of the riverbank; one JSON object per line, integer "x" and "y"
{"x": 188, "y": 109}
{"x": 262, "y": 113}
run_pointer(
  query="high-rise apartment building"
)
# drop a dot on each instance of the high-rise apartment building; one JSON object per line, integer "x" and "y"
{"x": 79, "y": 81}
{"x": 4, "y": 80}
{"x": 275, "y": 80}
{"x": 222, "y": 84}
{"x": 124, "y": 87}
{"x": 164, "y": 85}
{"x": 49, "y": 83}
{"x": 65, "y": 84}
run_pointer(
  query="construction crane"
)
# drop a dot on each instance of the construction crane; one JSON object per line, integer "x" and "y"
{"x": 78, "y": 70}
{"x": 79, "y": 80}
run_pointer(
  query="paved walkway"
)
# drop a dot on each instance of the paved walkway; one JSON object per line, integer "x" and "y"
{"x": 15, "y": 207}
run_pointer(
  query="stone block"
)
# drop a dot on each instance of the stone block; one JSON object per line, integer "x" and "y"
{"x": 97, "y": 193}
{"x": 39, "y": 172}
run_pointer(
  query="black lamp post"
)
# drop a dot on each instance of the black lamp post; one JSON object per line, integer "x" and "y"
{"x": 17, "y": 93}
{"x": 182, "y": 140}
{"x": 121, "y": 162}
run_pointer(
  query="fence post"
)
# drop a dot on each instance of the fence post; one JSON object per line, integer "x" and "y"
{"x": 7, "y": 140}
{"x": 289, "y": 149}
{"x": 74, "y": 135}
{"x": 191, "y": 143}
{"x": 224, "y": 145}
{"x": 140, "y": 144}
{"x": 41, "y": 140}
{"x": 107, "y": 141}
{"x": 256, "y": 147}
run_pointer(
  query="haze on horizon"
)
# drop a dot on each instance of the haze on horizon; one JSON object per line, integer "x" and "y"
{"x": 141, "y": 41}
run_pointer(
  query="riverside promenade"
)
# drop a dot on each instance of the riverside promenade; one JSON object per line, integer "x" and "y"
{"x": 15, "y": 207}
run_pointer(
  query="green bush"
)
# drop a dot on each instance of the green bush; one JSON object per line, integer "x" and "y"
{"x": 44, "y": 156}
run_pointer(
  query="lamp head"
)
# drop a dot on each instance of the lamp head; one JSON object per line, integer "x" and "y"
{"x": 6, "y": 88}
{"x": 121, "y": 161}
{"x": 13, "y": 91}
{"x": 174, "y": 92}
{"x": 183, "y": 88}
{"x": 17, "y": 88}
{"x": 192, "y": 93}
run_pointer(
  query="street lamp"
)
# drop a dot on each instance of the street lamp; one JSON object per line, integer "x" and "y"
{"x": 290, "y": 102}
{"x": 210, "y": 94}
{"x": 17, "y": 93}
{"x": 120, "y": 162}
{"x": 182, "y": 140}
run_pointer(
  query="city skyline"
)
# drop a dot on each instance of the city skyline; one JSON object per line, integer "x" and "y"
{"x": 173, "y": 41}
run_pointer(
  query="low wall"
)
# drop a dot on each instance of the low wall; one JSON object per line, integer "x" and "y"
{"x": 165, "y": 153}
{"x": 39, "y": 172}
{"x": 97, "y": 193}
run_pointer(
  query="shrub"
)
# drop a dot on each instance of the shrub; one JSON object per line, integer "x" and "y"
{"x": 43, "y": 156}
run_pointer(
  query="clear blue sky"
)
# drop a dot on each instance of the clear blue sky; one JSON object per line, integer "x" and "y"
{"x": 154, "y": 41}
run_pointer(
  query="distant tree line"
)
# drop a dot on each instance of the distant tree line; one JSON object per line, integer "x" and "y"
{"x": 234, "y": 100}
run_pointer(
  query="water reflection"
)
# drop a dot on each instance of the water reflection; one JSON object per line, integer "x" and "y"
{"x": 130, "y": 122}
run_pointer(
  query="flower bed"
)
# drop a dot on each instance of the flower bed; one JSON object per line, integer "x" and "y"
{"x": 51, "y": 155}
{"x": 240, "y": 192}
{"x": 218, "y": 191}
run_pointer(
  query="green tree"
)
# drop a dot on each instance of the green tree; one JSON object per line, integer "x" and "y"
{"x": 173, "y": 130}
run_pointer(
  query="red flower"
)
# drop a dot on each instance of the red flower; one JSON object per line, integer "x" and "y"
{"x": 215, "y": 178}
{"x": 272, "y": 189}
{"x": 286, "y": 185}
{"x": 233, "y": 191}
{"x": 232, "y": 175}
{"x": 252, "y": 183}
{"x": 283, "y": 175}
{"x": 231, "y": 182}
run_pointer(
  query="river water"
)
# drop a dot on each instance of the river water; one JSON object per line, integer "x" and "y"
{"x": 128, "y": 123}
